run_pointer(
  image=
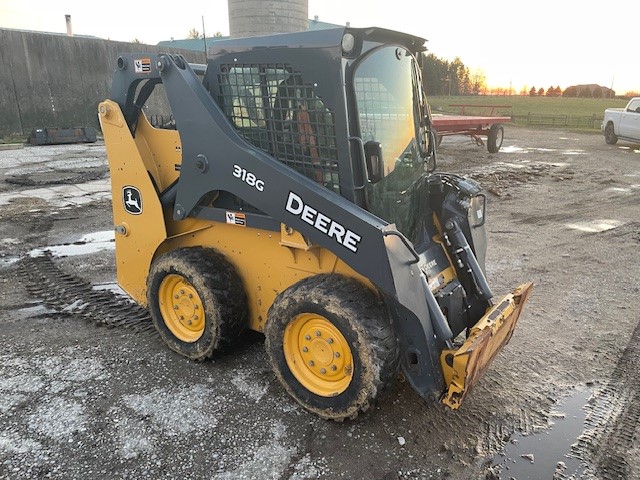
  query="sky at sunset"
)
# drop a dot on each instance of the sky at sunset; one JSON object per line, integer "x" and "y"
{"x": 538, "y": 44}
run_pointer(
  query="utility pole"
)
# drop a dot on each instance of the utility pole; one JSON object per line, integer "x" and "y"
{"x": 204, "y": 39}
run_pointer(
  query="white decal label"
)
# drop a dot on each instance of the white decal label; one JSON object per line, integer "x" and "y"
{"x": 236, "y": 218}
{"x": 142, "y": 65}
{"x": 322, "y": 223}
{"x": 248, "y": 178}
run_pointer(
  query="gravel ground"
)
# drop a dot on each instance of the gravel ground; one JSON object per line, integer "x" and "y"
{"x": 80, "y": 400}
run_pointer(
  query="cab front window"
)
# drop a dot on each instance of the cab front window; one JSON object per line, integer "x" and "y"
{"x": 386, "y": 109}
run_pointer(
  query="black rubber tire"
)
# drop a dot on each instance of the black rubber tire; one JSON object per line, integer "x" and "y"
{"x": 609, "y": 134}
{"x": 220, "y": 289}
{"x": 364, "y": 322}
{"x": 437, "y": 136}
{"x": 495, "y": 138}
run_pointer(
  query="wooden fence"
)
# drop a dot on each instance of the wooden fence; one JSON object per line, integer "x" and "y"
{"x": 534, "y": 119}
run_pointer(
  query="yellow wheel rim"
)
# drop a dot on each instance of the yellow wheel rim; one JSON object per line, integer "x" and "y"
{"x": 318, "y": 355}
{"x": 181, "y": 308}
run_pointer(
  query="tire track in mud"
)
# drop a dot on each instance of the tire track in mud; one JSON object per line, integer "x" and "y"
{"x": 70, "y": 294}
{"x": 613, "y": 418}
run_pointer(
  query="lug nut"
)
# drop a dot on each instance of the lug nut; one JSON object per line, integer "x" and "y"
{"x": 190, "y": 295}
{"x": 318, "y": 334}
{"x": 311, "y": 363}
{"x": 181, "y": 317}
{"x": 337, "y": 354}
{"x": 330, "y": 340}
{"x": 195, "y": 317}
{"x": 196, "y": 306}
{"x": 305, "y": 349}
{"x": 333, "y": 368}
{"x": 181, "y": 292}
{"x": 190, "y": 322}
{"x": 176, "y": 296}
{"x": 323, "y": 371}
{"x": 307, "y": 337}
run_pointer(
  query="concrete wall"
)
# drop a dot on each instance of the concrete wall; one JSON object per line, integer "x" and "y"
{"x": 248, "y": 18}
{"x": 49, "y": 80}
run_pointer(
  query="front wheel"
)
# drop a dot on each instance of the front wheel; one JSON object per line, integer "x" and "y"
{"x": 495, "y": 137}
{"x": 609, "y": 134}
{"x": 332, "y": 346}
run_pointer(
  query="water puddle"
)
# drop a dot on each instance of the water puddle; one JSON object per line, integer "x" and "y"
{"x": 548, "y": 454}
{"x": 618, "y": 190}
{"x": 113, "y": 288}
{"x": 8, "y": 261}
{"x": 595, "y": 226}
{"x": 554, "y": 164}
{"x": 513, "y": 149}
{"x": 87, "y": 244}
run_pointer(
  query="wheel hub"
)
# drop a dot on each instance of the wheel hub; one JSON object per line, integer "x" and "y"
{"x": 318, "y": 355}
{"x": 181, "y": 308}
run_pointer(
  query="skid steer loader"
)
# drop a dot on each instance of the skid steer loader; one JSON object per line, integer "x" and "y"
{"x": 291, "y": 188}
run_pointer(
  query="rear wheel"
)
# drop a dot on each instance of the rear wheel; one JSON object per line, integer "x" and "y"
{"x": 609, "y": 134}
{"x": 495, "y": 138}
{"x": 437, "y": 136}
{"x": 196, "y": 300}
{"x": 332, "y": 346}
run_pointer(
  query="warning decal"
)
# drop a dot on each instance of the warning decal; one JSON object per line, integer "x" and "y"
{"x": 142, "y": 65}
{"x": 237, "y": 218}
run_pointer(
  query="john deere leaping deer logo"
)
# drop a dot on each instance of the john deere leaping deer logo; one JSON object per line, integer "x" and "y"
{"x": 132, "y": 200}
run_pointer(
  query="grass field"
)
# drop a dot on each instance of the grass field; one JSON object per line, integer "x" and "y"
{"x": 521, "y": 106}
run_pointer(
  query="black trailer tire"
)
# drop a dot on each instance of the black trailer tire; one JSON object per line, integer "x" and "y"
{"x": 609, "y": 134}
{"x": 197, "y": 301}
{"x": 495, "y": 138}
{"x": 314, "y": 328}
{"x": 437, "y": 136}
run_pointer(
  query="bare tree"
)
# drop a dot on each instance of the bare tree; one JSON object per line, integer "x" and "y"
{"x": 478, "y": 82}
{"x": 193, "y": 34}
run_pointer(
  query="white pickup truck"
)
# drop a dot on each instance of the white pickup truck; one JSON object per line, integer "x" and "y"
{"x": 622, "y": 123}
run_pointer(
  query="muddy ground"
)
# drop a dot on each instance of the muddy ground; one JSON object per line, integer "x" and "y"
{"x": 81, "y": 400}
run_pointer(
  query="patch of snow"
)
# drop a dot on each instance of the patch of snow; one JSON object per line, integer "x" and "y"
{"x": 175, "y": 412}
{"x": 58, "y": 419}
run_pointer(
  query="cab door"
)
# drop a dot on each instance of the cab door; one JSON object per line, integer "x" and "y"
{"x": 630, "y": 120}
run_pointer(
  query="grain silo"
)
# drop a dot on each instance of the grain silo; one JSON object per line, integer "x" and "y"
{"x": 248, "y": 18}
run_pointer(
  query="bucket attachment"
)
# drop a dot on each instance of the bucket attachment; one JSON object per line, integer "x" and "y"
{"x": 60, "y": 136}
{"x": 463, "y": 366}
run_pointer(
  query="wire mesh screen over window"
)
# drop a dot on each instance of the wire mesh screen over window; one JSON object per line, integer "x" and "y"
{"x": 272, "y": 109}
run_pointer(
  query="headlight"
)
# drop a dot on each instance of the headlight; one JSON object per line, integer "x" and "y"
{"x": 348, "y": 43}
